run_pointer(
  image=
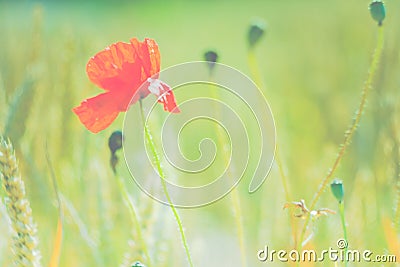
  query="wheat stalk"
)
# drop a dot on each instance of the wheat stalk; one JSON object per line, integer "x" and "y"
{"x": 25, "y": 241}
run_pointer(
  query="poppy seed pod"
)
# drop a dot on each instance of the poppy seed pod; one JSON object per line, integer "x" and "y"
{"x": 337, "y": 189}
{"x": 138, "y": 264}
{"x": 256, "y": 31}
{"x": 115, "y": 141}
{"x": 377, "y": 10}
{"x": 212, "y": 57}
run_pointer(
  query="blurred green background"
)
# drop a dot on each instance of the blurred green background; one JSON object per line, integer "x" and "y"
{"x": 313, "y": 60}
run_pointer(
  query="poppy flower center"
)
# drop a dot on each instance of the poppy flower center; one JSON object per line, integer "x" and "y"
{"x": 155, "y": 86}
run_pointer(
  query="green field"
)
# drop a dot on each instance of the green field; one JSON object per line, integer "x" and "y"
{"x": 313, "y": 61}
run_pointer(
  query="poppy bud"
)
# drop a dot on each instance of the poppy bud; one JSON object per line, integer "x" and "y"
{"x": 337, "y": 189}
{"x": 212, "y": 57}
{"x": 256, "y": 31}
{"x": 115, "y": 141}
{"x": 377, "y": 10}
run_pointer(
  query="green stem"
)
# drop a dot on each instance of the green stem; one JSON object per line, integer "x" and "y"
{"x": 341, "y": 211}
{"x": 239, "y": 224}
{"x": 396, "y": 218}
{"x": 163, "y": 183}
{"x": 397, "y": 210}
{"x": 288, "y": 197}
{"x": 234, "y": 194}
{"x": 132, "y": 211}
{"x": 254, "y": 70}
{"x": 353, "y": 127}
{"x": 255, "y": 73}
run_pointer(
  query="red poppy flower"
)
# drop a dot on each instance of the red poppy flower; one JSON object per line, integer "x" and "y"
{"x": 120, "y": 70}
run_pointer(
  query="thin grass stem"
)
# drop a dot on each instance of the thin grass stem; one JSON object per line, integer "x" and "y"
{"x": 134, "y": 216}
{"x": 352, "y": 128}
{"x": 397, "y": 207}
{"x": 254, "y": 70}
{"x": 288, "y": 196}
{"x": 234, "y": 194}
{"x": 255, "y": 73}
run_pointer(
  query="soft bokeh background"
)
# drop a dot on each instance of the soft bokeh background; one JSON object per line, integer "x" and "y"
{"x": 313, "y": 60}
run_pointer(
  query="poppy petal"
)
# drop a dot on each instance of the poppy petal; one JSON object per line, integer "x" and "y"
{"x": 120, "y": 69}
{"x": 97, "y": 113}
{"x": 115, "y": 68}
{"x": 149, "y": 55}
{"x": 167, "y": 98}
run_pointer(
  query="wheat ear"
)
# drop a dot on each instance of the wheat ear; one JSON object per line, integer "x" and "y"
{"x": 25, "y": 241}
